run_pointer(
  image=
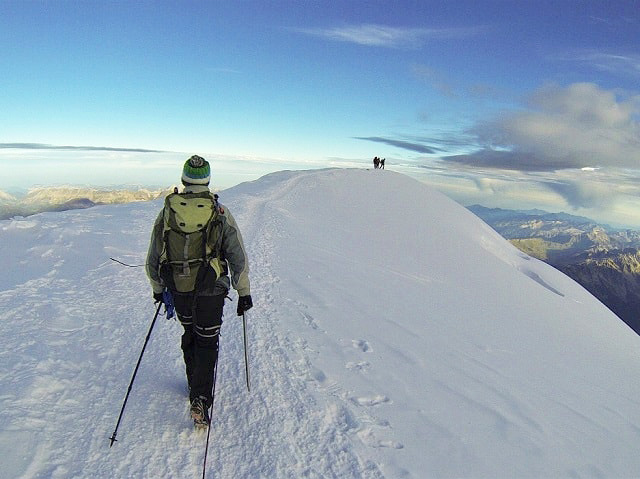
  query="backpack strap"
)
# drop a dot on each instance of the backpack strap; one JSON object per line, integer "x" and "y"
{"x": 215, "y": 228}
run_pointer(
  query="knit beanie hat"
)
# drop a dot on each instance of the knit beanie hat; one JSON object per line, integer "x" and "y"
{"x": 196, "y": 171}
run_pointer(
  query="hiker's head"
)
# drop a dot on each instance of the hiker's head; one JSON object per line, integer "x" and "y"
{"x": 196, "y": 171}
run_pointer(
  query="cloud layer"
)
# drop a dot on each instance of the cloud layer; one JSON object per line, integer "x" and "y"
{"x": 573, "y": 127}
{"x": 616, "y": 63}
{"x": 386, "y": 36}
{"x": 42, "y": 146}
{"x": 407, "y": 145}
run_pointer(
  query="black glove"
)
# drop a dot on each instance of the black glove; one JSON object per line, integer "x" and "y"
{"x": 157, "y": 297}
{"x": 244, "y": 304}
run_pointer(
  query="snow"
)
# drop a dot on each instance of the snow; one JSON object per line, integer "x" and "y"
{"x": 394, "y": 335}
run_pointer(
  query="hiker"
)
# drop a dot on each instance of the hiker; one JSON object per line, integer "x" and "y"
{"x": 382, "y": 163}
{"x": 194, "y": 243}
{"x": 376, "y": 162}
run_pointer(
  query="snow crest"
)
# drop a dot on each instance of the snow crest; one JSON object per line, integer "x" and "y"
{"x": 394, "y": 335}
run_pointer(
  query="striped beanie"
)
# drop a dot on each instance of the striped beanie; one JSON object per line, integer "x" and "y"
{"x": 196, "y": 171}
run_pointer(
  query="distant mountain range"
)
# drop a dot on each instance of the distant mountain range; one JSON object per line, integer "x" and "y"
{"x": 604, "y": 260}
{"x": 62, "y": 198}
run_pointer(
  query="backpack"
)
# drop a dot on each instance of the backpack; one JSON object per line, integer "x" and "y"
{"x": 191, "y": 241}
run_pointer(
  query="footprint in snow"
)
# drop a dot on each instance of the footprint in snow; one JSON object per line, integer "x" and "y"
{"x": 362, "y": 345}
{"x": 359, "y": 366}
{"x": 369, "y": 437}
{"x": 371, "y": 400}
{"x": 311, "y": 322}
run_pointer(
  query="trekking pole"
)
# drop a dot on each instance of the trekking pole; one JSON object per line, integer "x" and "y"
{"x": 115, "y": 431}
{"x": 213, "y": 398}
{"x": 246, "y": 351}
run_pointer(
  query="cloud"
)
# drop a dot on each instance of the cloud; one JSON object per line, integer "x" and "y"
{"x": 606, "y": 195}
{"x": 42, "y": 146}
{"x": 390, "y": 37}
{"x": 613, "y": 63}
{"x": 444, "y": 83}
{"x": 616, "y": 63}
{"x": 573, "y": 127}
{"x": 435, "y": 79}
{"x": 602, "y": 189}
{"x": 417, "y": 147}
{"x": 585, "y": 194}
{"x": 508, "y": 160}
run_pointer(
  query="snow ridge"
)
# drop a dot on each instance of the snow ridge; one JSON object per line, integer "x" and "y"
{"x": 394, "y": 335}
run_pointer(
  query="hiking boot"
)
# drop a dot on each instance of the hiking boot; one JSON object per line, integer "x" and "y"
{"x": 200, "y": 412}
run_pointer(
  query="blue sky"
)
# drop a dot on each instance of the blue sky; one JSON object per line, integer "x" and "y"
{"x": 505, "y": 103}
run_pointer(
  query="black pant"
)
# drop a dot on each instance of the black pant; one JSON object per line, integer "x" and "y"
{"x": 201, "y": 317}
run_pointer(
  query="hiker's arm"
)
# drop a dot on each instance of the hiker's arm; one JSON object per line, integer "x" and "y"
{"x": 153, "y": 255}
{"x": 235, "y": 254}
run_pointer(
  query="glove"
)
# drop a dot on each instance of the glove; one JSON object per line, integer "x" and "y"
{"x": 157, "y": 298}
{"x": 244, "y": 304}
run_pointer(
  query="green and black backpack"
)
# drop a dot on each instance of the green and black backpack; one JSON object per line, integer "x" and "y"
{"x": 191, "y": 241}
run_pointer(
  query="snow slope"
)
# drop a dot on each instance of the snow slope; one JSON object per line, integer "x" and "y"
{"x": 394, "y": 335}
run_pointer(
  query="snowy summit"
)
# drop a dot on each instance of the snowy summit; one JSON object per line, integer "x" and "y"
{"x": 394, "y": 335}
